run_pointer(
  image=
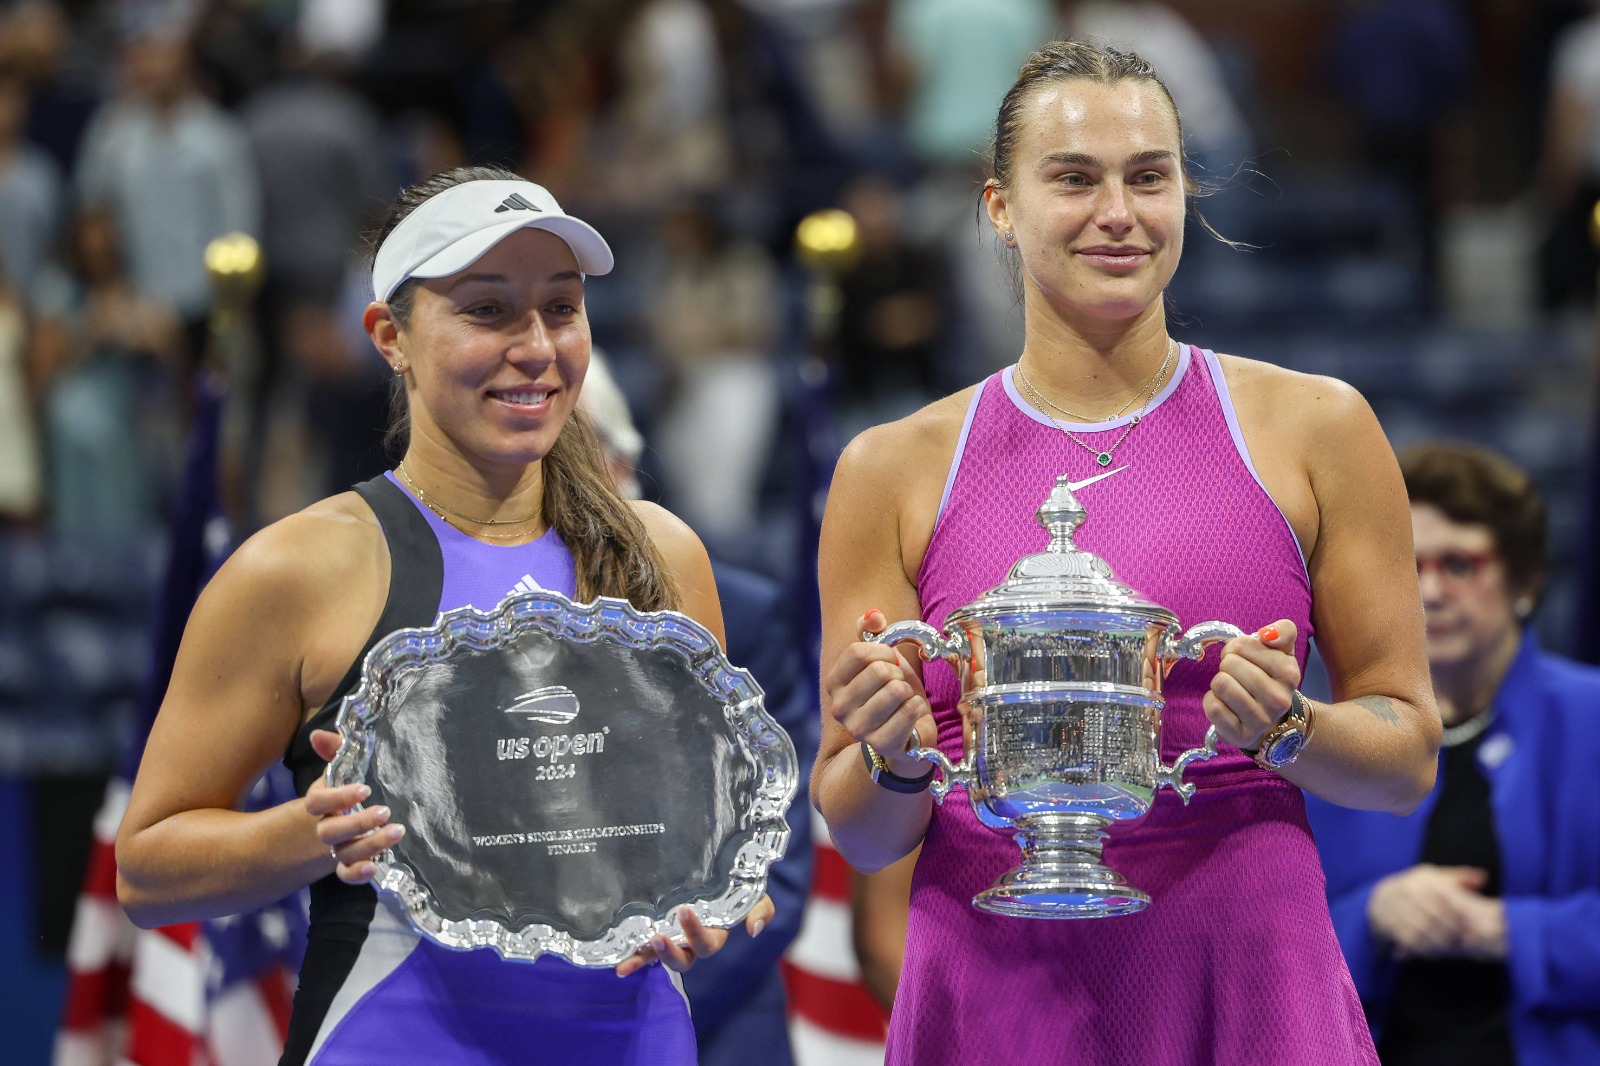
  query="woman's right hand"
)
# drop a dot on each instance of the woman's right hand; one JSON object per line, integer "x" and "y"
{"x": 876, "y": 694}
{"x": 353, "y": 838}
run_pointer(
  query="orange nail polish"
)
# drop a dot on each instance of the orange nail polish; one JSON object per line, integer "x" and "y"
{"x": 1268, "y": 633}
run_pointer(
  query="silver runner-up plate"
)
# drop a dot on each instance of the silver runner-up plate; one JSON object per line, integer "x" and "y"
{"x": 568, "y": 774}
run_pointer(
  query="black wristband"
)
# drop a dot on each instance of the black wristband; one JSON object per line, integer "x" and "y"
{"x": 879, "y": 771}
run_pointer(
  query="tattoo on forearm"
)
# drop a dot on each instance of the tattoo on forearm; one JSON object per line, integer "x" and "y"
{"x": 1381, "y": 706}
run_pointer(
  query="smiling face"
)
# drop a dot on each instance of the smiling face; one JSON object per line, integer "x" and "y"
{"x": 1467, "y": 598}
{"x": 495, "y": 355}
{"x": 1095, "y": 197}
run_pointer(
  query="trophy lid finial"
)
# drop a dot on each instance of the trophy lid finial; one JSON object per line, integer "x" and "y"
{"x": 1061, "y": 514}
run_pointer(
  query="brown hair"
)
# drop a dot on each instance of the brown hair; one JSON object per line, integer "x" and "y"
{"x": 1475, "y": 486}
{"x": 1069, "y": 59}
{"x": 611, "y": 550}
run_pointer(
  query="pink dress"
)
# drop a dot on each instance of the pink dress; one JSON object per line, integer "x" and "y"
{"x": 1235, "y": 960}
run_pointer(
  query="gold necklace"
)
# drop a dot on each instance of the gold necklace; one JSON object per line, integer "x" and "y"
{"x": 1118, "y": 413}
{"x": 1103, "y": 458}
{"x": 446, "y": 514}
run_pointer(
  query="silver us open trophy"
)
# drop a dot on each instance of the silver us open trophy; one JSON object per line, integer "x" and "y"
{"x": 569, "y": 774}
{"x": 1067, "y": 717}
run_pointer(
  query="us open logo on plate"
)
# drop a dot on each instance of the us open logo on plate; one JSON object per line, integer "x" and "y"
{"x": 551, "y": 705}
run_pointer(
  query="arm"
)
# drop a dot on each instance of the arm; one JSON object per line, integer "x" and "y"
{"x": 237, "y": 694}
{"x": 880, "y": 904}
{"x": 1332, "y": 472}
{"x": 869, "y": 692}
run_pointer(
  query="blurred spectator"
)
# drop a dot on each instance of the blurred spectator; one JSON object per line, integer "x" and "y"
{"x": 19, "y": 450}
{"x": 174, "y": 171}
{"x": 893, "y": 318}
{"x": 714, "y": 319}
{"x": 345, "y": 28}
{"x": 63, "y": 56}
{"x": 107, "y": 361}
{"x": 1402, "y": 67}
{"x": 736, "y": 997}
{"x": 1569, "y": 171}
{"x": 30, "y": 192}
{"x": 672, "y": 101}
{"x": 320, "y": 154}
{"x": 949, "y": 63}
{"x": 953, "y": 60}
{"x": 1215, "y": 133}
{"x": 1472, "y": 926}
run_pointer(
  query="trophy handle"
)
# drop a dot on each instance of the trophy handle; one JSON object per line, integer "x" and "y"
{"x": 950, "y": 774}
{"x": 1172, "y": 776}
{"x": 931, "y": 643}
{"x": 1193, "y": 644}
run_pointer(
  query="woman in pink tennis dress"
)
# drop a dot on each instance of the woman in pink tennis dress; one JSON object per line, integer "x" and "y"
{"x": 1231, "y": 489}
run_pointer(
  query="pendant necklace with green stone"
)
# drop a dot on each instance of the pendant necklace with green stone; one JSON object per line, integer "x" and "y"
{"x": 1103, "y": 458}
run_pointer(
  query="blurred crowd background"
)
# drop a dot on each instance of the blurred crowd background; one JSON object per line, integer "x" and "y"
{"x": 1409, "y": 184}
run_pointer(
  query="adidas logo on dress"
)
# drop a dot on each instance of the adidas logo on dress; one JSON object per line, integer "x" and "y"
{"x": 527, "y": 584}
{"x": 515, "y": 202}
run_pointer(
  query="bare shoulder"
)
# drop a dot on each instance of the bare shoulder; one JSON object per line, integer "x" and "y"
{"x": 678, "y": 543}
{"x": 690, "y": 566}
{"x": 1285, "y": 398}
{"x": 902, "y": 458}
{"x": 322, "y": 547}
{"x": 1312, "y": 439}
{"x": 890, "y": 479}
{"x": 289, "y": 610}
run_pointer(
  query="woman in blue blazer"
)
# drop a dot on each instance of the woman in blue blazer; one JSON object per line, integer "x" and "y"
{"x": 1472, "y": 926}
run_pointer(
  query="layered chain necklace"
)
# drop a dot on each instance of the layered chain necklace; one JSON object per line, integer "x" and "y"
{"x": 446, "y": 515}
{"x": 1103, "y": 458}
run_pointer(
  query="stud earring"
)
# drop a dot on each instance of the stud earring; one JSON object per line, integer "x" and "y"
{"x": 1523, "y": 607}
{"x": 1010, "y": 236}
{"x": 399, "y": 368}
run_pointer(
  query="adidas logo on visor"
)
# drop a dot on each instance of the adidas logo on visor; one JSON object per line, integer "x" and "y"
{"x": 515, "y": 202}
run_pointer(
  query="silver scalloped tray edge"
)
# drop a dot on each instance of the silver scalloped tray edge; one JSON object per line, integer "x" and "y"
{"x": 777, "y": 763}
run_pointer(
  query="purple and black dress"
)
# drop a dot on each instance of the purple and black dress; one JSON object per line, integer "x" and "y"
{"x": 372, "y": 990}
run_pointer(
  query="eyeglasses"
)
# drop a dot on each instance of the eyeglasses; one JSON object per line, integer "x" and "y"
{"x": 1455, "y": 567}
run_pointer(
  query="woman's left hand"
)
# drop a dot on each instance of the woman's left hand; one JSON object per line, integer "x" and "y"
{"x": 1255, "y": 685}
{"x": 698, "y": 940}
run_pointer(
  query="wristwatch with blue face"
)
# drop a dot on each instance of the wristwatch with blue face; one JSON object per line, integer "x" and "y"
{"x": 1283, "y": 743}
{"x": 878, "y": 769}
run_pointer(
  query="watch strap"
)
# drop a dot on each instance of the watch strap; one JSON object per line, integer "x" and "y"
{"x": 878, "y": 770}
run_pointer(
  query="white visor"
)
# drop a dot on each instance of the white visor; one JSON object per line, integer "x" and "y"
{"x": 453, "y": 229}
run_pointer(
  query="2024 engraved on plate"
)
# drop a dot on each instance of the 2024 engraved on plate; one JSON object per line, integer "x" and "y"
{"x": 567, "y": 774}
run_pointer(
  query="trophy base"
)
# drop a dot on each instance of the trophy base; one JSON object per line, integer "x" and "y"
{"x": 1061, "y": 875}
{"x": 1020, "y": 895}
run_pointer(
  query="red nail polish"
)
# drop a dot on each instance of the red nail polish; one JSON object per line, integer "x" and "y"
{"x": 1268, "y": 633}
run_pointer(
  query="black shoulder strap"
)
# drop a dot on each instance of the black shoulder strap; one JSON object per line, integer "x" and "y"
{"x": 416, "y": 581}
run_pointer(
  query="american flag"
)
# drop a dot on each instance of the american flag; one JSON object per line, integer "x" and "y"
{"x": 213, "y": 993}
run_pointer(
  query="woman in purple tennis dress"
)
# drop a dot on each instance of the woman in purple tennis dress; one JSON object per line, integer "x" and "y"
{"x": 1226, "y": 489}
{"x": 479, "y": 283}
